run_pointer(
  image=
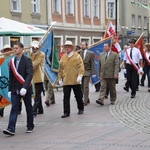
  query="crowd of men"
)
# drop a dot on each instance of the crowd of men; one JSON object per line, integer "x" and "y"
{"x": 75, "y": 69}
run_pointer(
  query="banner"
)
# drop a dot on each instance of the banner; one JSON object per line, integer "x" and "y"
{"x": 111, "y": 32}
{"x": 139, "y": 43}
{"x": 97, "y": 48}
{"x": 47, "y": 47}
{"x": 4, "y": 81}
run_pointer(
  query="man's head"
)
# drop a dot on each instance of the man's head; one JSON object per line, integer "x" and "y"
{"x": 35, "y": 46}
{"x": 107, "y": 47}
{"x": 125, "y": 47}
{"x": 132, "y": 42}
{"x": 18, "y": 48}
{"x": 6, "y": 48}
{"x": 68, "y": 46}
{"x": 84, "y": 45}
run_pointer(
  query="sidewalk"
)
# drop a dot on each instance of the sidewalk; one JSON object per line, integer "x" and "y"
{"x": 123, "y": 126}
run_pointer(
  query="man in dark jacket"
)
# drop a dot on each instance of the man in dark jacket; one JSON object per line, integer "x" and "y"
{"x": 20, "y": 76}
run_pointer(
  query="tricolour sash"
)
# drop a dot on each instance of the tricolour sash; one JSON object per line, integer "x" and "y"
{"x": 131, "y": 61}
{"x": 146, "y": 56}
{"x": 15, "y": 72}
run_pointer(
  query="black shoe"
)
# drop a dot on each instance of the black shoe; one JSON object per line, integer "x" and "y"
{"x": 132, "y": 95}
{"x": 80, "y": 112}
{"x": 65, "y": 116}
{"x": 142, "y": 84}
{"x": 106, "y": 96}
{"x": 19, "y": 112}
{"x": 8, "y": 132}
{"x": 126, "y": 89}
{"x": 29, "y": 130}
{"x": 47, "y": 103}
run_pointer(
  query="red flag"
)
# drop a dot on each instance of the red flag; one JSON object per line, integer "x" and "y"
{"x": 111, "y": 32}
{"x": 139, "y": 43}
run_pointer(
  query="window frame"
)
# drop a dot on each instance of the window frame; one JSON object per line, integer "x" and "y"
{"x": 113, "y": 9}
{"x": 70, "y": 11}
{"x": 87, "y": 11}
{"x": 18, "y": 5}
{"x": 56, "y": 7}
{"x": 37, "y": 5}
{"x": 96, "y": 11}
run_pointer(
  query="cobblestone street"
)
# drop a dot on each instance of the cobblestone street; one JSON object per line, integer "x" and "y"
{"x": 123, "y": 126}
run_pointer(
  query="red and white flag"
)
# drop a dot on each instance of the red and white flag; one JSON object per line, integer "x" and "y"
{"x": 111, "y": 32}
{"x": 139, "y": 43}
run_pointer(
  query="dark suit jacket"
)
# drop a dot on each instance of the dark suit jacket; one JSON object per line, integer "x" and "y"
{"x": 89, "y": 67}
{"x": 109, "y": 68}
{"x": 25, "y": 69}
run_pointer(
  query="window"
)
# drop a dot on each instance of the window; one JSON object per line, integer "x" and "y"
{"x": 145, "y": 22}
{"x": 70, "y": 6}
{"x": 145, "y": 2}
{"x": 35, "y": 6}
{"x": 110, "y": 9}
{"x": 133, "y": 20}
{"x": 56, "y": 6}
{"x": 96, "y": 9}
{"x": 16, "y": 5}
{"x": 86, "y": 8}
{"x": 139, "y": 21}
{"x": 86, "y": 39}
{"x": 14, "y": 40}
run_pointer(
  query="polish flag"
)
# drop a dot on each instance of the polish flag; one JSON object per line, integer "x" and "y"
{"x": 139, "y": 43}
{"x": 111, "y": 32}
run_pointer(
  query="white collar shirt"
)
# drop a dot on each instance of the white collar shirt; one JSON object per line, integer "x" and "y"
{"x": 136, "y": 55}
{"x": 84, "y": 53}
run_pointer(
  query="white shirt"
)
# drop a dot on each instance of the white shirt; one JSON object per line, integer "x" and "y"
{"x": 136, "y": 55}
{"x": 84, "y": 53}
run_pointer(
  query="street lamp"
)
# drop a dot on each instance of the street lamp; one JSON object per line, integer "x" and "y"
{"x": 116, "y": 16}
{"x": 148, "y": 29}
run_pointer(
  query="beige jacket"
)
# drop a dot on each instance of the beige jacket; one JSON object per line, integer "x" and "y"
{"x": 70, "y": 68}
{"x": 38, "y": 66}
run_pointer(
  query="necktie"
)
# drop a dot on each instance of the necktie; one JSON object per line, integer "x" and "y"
{"x": 131, "y": 53}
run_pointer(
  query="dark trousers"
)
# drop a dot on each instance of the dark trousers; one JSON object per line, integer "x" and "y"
{"x": 132, "y": 78}
{"x": 78, "y": 95}
{"x": 143, "y": 75}
{"x": 1, "y": 112}
{"x": 97, "y": 86}
{"x": 14, "y": 111}
{"x": 38, "y": 99}
{"x": 148, "y": 75}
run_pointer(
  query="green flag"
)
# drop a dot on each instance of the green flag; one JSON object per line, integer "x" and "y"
{"x": 55, "y": 61}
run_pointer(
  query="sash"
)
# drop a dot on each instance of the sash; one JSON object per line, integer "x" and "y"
{"x": 15, "y": 72}
{"x": 146, "y": 56}
{"x": 131, "y": 61}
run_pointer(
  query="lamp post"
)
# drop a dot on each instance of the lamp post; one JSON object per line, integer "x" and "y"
{"x": 116, "y": 16}
{"x": 124, "y": 28}
{"x": 148, "y": 29}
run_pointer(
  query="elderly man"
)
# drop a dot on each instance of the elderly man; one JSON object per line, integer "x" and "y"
{"x": 37, "y": 58}
{"x": 70, "y": 74}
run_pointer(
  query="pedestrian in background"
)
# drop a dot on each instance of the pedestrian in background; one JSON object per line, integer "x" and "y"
{"x": 89, "y": 70}
{"x": 37, "y": 58}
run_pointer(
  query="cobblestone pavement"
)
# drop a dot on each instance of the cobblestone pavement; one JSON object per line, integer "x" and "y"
{"x": 123, "y": 126}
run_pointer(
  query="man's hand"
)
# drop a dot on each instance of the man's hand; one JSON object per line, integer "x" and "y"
{"x": 79, "y": 78}
{"x": 23, "y": 92}
{"x": 9, "y": 94}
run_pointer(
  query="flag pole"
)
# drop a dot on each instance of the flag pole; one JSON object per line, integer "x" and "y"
{"x": 140, "y": 37}
{"x": 106, "y": 27}
{"x": 52, "y": 24}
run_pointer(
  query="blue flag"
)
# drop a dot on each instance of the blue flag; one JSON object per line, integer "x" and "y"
{"x": 97, "y": 48}
{"x": 47, "y": 46}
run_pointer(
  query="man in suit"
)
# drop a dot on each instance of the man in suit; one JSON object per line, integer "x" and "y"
{"x": 89, "y": 69}
{"x": 108, "y": 73}
{"x": 20, "y": 76}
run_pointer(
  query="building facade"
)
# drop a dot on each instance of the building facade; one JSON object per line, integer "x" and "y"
{"x": 33, "y": 12}
{"x": 80, "y": 20}
{"x": 133, "y": 19}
